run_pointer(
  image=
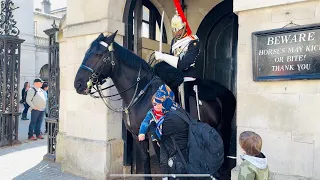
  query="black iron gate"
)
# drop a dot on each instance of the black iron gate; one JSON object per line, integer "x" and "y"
{"x": 54, "y": 91}
{"x": 10, "y": 51}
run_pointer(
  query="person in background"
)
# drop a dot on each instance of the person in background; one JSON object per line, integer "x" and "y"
{"x": 254, "y": 165}
{"x": 37, "y": 101}
{"x": 26, "y": 87}
{"x": 45, "y": 87}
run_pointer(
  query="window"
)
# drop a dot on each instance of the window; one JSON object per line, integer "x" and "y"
{"x": 145, "y": 30}
{"x": 145, "y": 22}
{"x": 35, "y": 28}
{"x": 151, "y": 19}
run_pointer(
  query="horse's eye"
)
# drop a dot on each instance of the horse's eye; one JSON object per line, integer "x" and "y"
{"x": 99, "y": 55}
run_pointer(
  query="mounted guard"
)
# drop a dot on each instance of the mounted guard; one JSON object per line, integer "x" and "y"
{"x": 185, "y": 48}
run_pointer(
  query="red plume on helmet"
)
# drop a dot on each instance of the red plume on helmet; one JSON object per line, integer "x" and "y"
{"x": 181, "y": 14}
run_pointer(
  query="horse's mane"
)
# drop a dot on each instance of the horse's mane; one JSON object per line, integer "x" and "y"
{"x": 130, "y": 59}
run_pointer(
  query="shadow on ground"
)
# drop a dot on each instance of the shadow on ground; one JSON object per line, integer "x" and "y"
{"x": 25, "y": 145}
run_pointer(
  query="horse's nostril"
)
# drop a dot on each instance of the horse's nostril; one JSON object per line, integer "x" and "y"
{"x": 79, "y": 85}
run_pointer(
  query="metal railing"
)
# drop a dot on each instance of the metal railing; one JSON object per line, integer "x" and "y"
{"x": 10, "y": 48}
{"x": 52, "y": 138}
{"x": 9, "y": 125}
{"x": 54, "y": 92}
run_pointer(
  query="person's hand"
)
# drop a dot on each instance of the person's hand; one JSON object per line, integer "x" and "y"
{"x": 141, "y": 137}
{"x": 158, "y": 55}
{"x": 37, "y": 109}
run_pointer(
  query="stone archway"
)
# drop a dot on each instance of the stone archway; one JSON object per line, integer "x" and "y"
{"x": 44, "y": 72}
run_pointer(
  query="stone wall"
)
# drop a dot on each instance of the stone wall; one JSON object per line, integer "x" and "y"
{"x": 196, "y": 11}
{"x": 24, "y": 18}
{"x": 284, "y": 113}
{"x": 89, "y": 140}
{"x": 44, "y": 22}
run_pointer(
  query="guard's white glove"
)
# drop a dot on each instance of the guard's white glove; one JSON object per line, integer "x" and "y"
{"x": 158, "y": 55}
{"x": 171, "y": 60}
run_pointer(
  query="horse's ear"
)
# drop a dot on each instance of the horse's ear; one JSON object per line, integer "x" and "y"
{"x": 111, "y": 38}
{"x": 100, "y": 36}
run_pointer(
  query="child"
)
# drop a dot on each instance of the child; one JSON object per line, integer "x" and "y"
{"x": 255, "y": 164}
{"x": 154, "y": 115}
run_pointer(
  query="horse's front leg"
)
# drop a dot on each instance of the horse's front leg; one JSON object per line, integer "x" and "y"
{"x": 145, "y": 156}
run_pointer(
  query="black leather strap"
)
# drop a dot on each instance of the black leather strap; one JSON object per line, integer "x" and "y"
{"x": 175, "y": 145}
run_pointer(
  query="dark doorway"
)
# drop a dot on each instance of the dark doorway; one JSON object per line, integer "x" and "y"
{"x": 150, "y": 20}
{"x": 218, "y": 34}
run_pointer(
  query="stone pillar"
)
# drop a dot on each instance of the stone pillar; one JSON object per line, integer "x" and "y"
{"x": 89, "y": 141}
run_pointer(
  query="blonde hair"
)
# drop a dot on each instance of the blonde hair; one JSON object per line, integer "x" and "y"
{"x": 251, "y": 143}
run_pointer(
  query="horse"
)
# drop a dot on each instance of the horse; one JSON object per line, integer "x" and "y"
{"x": 136, "y": 84}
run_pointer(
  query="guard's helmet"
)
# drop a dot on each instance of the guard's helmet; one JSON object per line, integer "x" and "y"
{"x": 177, "y": 24}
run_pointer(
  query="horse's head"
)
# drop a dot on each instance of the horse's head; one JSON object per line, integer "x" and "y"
{"x": 97, "y": 64}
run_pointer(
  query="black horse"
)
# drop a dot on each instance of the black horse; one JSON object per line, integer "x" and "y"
{"x": 136, "y": 83}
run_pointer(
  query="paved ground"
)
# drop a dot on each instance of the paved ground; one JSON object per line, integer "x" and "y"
{"x": 25, "y": 161}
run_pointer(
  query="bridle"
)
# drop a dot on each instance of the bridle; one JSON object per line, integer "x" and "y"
{"x": 94, "y": 78}
{"x": 94, "y": 81}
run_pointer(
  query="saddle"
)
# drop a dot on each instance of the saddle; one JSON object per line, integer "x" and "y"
{"x": 208, "y": 90}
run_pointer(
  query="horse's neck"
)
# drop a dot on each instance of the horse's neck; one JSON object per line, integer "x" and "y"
{"x": 124, "y": 78}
